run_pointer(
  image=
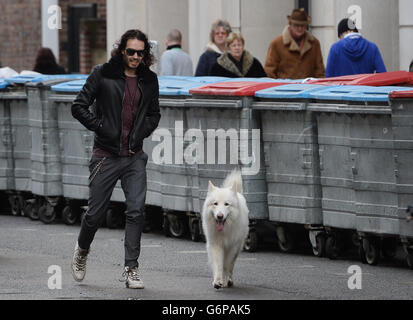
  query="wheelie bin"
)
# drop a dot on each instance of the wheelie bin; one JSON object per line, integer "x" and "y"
{"x": 17, "y": 135}
{"x": 402, "y": 120}
{"x": 46, "y": 183}
{"x": 220, "y": 112}
{"x": 171, "y": 178}
{"x": 6, "y": 150}
{"x": 289, "y": 133}
{"x": 358, "y": 181}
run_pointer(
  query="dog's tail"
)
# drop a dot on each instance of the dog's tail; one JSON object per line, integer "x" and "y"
{"x": 233, "y": 178}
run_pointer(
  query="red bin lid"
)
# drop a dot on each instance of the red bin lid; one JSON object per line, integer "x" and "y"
{"x": 401, "y": 94}
{"x": 234, "y": 88}
{"x": 342, "y": 80}
{"x": 392, "y": 78}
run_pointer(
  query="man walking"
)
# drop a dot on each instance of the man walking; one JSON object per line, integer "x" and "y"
{"x": 353, "y": 54}
{"x": 175, "y": 61}
{"x": 296, "y": 53}
{"x": 125, "y": 92}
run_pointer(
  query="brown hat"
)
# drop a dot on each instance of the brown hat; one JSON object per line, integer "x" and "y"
{"x": 299, "y": 16}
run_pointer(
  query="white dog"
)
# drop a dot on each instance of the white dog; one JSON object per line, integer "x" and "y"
{"x": 225, "y": 225}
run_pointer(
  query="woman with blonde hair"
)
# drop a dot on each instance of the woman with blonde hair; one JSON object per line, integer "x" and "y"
{"x": 237, "y": 62}
{"x": 216, "y": 46}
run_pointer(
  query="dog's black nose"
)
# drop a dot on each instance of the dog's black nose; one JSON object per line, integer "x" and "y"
{"x": 220, "y": 216}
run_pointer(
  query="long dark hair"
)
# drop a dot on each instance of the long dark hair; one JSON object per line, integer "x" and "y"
{"x": 148, "y": 58}
{"x": 45, "y": 61}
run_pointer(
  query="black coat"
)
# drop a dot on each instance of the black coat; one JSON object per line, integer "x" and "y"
{"x": 106, "y": 85}
{"x": 50, "y": 69}
{"x": 227, "y": 66}
{"x": 205, "y": 63}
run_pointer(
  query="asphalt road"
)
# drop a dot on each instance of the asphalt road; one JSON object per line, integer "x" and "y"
{"x": 177, "y": 269}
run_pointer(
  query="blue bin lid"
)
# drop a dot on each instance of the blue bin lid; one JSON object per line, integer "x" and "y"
{"x": 3, "y": 84}
{"x": 71, "y": 86}
{"x": 379, "y": 94}
{"x": 34, "y": 78}
{"x": 179, "y": 86}
{"x": 259, "y": 80}
{"x": 356, "y": 93}
{"x": 289, "y": 91}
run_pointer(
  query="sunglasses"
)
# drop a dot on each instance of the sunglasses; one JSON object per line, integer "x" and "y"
{"x": 131, "y": 52}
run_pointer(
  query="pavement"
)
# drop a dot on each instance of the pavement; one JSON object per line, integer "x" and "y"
{"x": 35, "y": 265}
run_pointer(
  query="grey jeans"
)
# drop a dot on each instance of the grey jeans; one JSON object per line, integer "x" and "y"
{"x": 105, "y": 172}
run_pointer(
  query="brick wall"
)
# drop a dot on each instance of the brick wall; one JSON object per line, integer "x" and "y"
{"x": 92, "y": 44}
{"x": 63, "y": 41}
{"x": 20, "y": 33}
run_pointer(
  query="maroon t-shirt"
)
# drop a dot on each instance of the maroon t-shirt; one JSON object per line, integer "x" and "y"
{"x": 130, "y": 106}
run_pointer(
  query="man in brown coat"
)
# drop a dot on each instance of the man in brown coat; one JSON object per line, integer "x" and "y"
{"x": 296, "y": 53}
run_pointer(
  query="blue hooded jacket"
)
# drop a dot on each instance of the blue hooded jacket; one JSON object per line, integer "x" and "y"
{"x": 354, "y": 55}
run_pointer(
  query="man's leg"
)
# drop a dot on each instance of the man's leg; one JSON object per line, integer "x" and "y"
{"x": 100, "y": 191}
{"x": 133, "y": 181}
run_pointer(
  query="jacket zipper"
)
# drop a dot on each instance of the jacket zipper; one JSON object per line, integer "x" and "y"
{"x": 121, "y": 121}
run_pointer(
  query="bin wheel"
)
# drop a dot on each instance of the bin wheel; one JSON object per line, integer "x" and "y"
{"x": 371, "y": 248}
{"x": 285, "y": 239}
{"x": 69, "y": 215}
{"x": 251, "y": 243}
{"x": 389, "y": 248}
{"x": 15, "y": 205}
{"x": 166, "y": 226}
{"x": 195, "y": 231}
{"x": 176, "y": 226}
{"x": 331, "y": 247}
{"x": 31, "y": 211}
{"x": 409, "y": 259}
{"x": 146, "y": 223}
{"x": 47, "y": 214}
{"x": 320, "y": 248}
{"x": 362, "y": 253}
{"x": 112, "y": 219}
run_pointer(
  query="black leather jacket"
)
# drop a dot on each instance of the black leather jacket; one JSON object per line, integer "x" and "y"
{"x": 106, "y": 87}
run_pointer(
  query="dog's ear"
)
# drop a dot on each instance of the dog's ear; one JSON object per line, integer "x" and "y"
{"x": 211, "y": 187}
{"x": 234, "y": 188}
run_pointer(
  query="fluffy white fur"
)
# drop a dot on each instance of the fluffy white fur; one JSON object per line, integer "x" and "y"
{"x": 225, "y": 237}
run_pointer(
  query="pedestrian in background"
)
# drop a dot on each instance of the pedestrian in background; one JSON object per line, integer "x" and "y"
{"x": 127, "y": 111}
{"x": 296, "y": 53}
{"x": 411, "y": 66}
{"x": 237, "y": 62}
{"x": 353, "y": 54}
{"x": 175, "y": 61}
{"x": 219, "y": 32}
{"x": 46, "y": 63}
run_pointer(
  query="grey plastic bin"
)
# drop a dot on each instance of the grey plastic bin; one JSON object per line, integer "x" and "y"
{"x": 356, "y": 140}
{"x": 20, "y": 134}
{"x": 45, "y": 152}
{"x": 292, "y": 161}
{"x": 222, "y": 113}
{"x": 6, "y": 151}
{"x": 402, "y": 121}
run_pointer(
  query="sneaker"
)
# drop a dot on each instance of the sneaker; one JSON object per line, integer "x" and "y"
{"x": 79, "y": 263}
{"x": 132, "y": 278}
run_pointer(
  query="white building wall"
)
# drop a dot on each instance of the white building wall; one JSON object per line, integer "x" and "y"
{"x": 51, "y": 22}
{"x": 405, "y": 33}
{"x": 379, "y": 21}
{"x": 383, "y": 22}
